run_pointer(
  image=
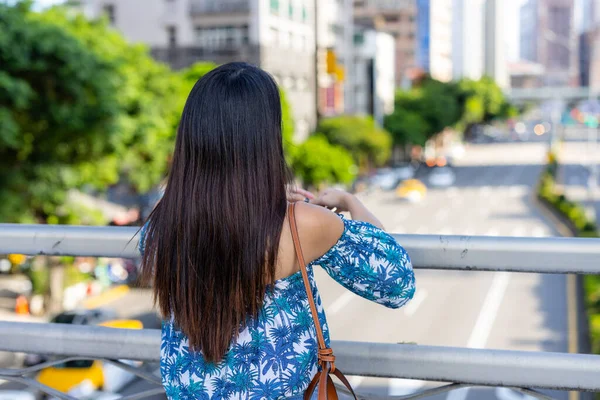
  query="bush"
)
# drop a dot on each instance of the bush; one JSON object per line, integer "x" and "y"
{"x": 575, "y": 213}
{"x": 318, "y": 162}
{"x": 367, "y": 142}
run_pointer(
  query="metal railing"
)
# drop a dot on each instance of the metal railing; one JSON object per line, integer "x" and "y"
{"x": 461, "y": 367}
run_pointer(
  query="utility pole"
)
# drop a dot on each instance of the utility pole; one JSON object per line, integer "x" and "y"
{"x": 316, "y": 30}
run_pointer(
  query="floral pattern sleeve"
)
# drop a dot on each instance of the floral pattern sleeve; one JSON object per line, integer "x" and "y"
{"x": 369, "y": 262}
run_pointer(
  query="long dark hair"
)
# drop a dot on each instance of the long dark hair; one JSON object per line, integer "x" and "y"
{"x": 212, "y": 240}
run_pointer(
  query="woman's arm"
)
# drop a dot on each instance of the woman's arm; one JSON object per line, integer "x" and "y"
{"x": 344, "y": 201}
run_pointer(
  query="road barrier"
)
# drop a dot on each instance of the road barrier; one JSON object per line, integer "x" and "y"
{"x": 460, "y": 367}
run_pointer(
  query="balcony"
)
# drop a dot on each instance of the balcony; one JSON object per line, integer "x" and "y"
{"x": 219, "y": 7}
{"x": 523, "y": 371}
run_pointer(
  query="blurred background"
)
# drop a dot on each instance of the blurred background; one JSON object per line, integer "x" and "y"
{"x": 446, "y": 117}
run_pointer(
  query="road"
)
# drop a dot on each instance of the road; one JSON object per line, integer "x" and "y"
{"x": 492, "y": 196}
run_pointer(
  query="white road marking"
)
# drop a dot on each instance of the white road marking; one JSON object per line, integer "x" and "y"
{"x": 485, "y": 322}
{"x": 416, "y": 301}
{"x": 421, "y": 230}
{"x": 491, "y": 232}
{"x": 517, "y": 191}
{"x": 508, "y": 394}
{"x": 401, "y": 387}
{"x": 452, "y": 192}
{"x": 442, "y": 214}
{"x": 485, "y": 190}
{"x": 340, "y": 302}
{"x": 538, "y": 231}
{"x": 518, "y": 231}
{"x": 399, "y": 230}
{"x": 445, "y": 231}
{"x": 488, "y": 312}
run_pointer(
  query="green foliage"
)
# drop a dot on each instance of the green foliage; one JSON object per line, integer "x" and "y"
{"x": 79, "y": 107}
{"x": 361, "y": 136}
{"x": 148, "y": 99}
{"x": 287, "y": 129}
{"x": 319, "y": 162}
{"x": 426, "y": 110}
{"x": 59, "y": 105}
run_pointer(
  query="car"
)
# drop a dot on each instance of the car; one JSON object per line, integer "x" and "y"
{"x": 441, "y": 177}
{"x": 75, "y": 317}
{"x": 384, "y": 179}
{"x": 412, "y": 190}
{"x": 404, "y": 172}
{"x": 90, "y": 375}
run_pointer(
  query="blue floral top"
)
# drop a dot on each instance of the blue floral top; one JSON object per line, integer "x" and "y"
{"x": 275, "y": 355}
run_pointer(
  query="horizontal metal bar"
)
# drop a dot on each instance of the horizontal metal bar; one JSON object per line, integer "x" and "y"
{"x": 562, "y": 371}
{"x": 80, "y": 341}
{"x": 484, "y": 253}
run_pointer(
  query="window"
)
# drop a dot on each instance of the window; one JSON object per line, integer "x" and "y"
{"x": 392, "y": 18}
{"x": 359, "y": 38}
{"x": 275, "y": 6}
{"x": 291, "y": 10}
{"x": 172, "y": 36}
{"x": 411, "y": 35}
{"x": 304, "y": 14}
{"x": 245, "y": 36}
{"x": 109, "y": 11}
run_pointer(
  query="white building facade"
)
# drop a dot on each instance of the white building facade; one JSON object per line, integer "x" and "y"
{"x": 373, "y": 78}
{"x": 277, "y": 35}
{"x": 468, "y": 39}
{"x": 495, "y": 47}
{"x": 434, "y": 38}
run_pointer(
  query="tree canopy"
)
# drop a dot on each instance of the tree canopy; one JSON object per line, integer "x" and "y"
{"x": 366, "y": 141}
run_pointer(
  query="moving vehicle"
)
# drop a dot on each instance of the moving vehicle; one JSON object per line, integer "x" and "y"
{"x": 388, "y": 178}
{"x": 75, "y": 317}
{"x": 90, "y": 375}
{"x": 441, "y": 177}
{"x": 412, "y": 190}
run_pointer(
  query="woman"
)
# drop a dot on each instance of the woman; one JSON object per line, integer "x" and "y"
{"x": 219, "y": 250}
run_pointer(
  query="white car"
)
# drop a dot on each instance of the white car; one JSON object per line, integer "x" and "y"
{"x": 441, "y": 177}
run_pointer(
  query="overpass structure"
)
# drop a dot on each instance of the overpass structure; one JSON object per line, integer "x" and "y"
{"x": 567, "y": 93}
{"x": 458, "y": 367}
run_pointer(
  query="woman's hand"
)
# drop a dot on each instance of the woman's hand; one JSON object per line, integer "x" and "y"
{"x": 334, "y": 198}
{"x": 296, "y": 194}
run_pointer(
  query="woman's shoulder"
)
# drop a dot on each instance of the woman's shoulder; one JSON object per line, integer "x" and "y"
{"x": 318, "y": 229}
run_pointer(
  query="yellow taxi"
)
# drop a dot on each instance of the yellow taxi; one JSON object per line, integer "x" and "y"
{"x": 412, "y": 190}
{"x": 66, "y": 377}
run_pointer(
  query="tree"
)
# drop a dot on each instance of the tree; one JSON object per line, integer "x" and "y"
{"x": 59, "y": 104}
{"x": 422, "y": 112}
{"x": 149, "y": 99}
{"x": 361, "y": 136}
{"x": 318, "y": 162}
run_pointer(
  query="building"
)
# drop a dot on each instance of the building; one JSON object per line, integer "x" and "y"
{"x": 495, "y": 48}
{"x": 525, "y": 75}
{"x": 278, "y": 36}
{"x": 434, "y": 38}
{"x": 374, "y": 73}
{"x": 528, "y": 22}
{"x": 398, "y": 18}
{"x": 468, "y": 39}
{"x": 334, "y": 43}
{"x": 548, "y": 38}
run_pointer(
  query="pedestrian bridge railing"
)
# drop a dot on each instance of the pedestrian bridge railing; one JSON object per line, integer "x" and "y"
{"x": 459, "y": 367}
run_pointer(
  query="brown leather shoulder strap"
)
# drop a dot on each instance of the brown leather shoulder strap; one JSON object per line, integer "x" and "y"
{"x": 302, "y": 263}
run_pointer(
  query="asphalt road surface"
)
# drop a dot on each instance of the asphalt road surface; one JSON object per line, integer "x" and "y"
{"x": 491, "y": 196}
